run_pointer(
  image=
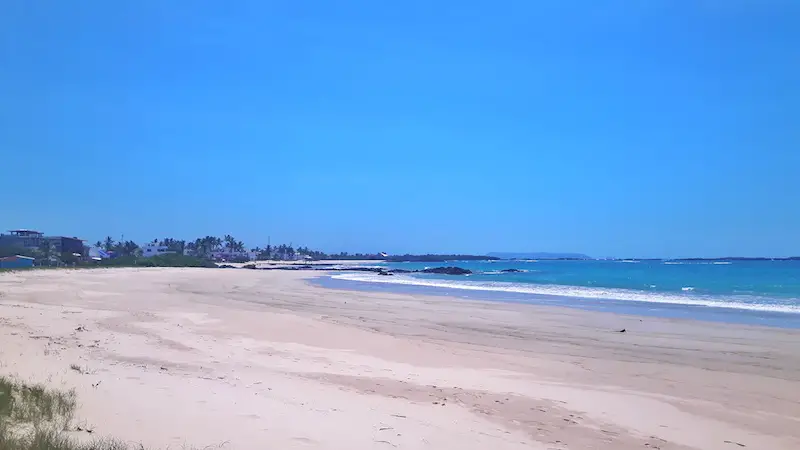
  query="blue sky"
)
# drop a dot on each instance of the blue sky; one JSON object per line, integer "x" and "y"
{"x": 625, "y": 128}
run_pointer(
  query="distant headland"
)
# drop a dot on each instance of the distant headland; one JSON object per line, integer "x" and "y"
{"x": 539, "y": 255}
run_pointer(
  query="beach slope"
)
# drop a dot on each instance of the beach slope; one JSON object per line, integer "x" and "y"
{"x": 248, "y": 359}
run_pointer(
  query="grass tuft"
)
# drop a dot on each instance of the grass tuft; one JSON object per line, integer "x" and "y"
{"x": 33, "y": 417}
{"x": 79, "y": 369}
{"x": 34, "y": 404}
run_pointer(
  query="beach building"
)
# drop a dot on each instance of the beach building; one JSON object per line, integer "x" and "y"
{"x": 64, "y": 244}
{"x": 22, "y": 239}
{"x": 97, "y": 253}
{"x": 31, "y": 239}
{"x": 152, "y": 249}
{"x": 16, "y": 262}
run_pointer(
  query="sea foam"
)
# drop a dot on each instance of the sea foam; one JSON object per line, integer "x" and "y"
{"x": 687, "y": 298}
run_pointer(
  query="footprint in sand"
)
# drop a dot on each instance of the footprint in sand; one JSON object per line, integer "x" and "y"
{"x": 305, "y": 440}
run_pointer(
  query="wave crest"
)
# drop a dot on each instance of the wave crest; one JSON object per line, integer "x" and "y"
{"x": 688, "y": 298}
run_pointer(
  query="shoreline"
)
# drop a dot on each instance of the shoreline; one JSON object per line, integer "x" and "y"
{"x": 665, "y": 310}
{"x": 250, "y": 358}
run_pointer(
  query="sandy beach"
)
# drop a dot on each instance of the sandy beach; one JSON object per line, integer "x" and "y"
{"x": 245, "y": 359}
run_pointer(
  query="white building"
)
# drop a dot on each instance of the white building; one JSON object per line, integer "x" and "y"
{"x": 154, "y": 249}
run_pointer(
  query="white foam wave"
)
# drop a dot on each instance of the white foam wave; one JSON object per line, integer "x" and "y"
{"x": 350, "y": 266}
{"x": 687, "y": 289}
{"x": 501, "y": 272}
{"x": 688, "y": 298}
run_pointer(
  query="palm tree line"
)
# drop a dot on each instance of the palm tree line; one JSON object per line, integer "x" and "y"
{"x": 206, "y": 247}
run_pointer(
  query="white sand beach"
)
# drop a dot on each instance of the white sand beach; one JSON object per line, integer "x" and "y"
{"x": 246, "y": 359}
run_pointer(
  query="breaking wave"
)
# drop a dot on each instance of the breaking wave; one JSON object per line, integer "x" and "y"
{"x": 686, "y": 298}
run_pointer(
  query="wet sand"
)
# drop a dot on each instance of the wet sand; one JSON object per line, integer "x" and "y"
{"x": 262, "y": 359}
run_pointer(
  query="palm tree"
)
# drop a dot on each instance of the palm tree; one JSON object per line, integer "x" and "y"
{"x": 232, "y": 244}
{"x": 191, "y": 248}
{"x": 173, "y": 245}
{"x": 208, "y": 244}
{"x": 198, "y": 247}
{"x": 129, "y": 248}
{"x": 109, "y": 244}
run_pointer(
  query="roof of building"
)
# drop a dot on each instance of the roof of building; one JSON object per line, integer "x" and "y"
{"x": 25, "y": 231}
{"x": 66, "y": 237}
{"x": 15, "y": 257}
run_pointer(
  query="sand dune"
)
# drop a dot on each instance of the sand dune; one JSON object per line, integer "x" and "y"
{"x": 262, "y": 359}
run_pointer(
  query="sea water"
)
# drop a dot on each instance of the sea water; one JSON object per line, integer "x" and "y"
{"x": 760, "y": 292}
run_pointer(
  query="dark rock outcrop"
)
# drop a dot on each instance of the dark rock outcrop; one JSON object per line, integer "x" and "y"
{"x": 511, "y": 271}
{"x": 290, "y": 267}
{"x": 447, "y": 271}
{"x": 362, "y": 269}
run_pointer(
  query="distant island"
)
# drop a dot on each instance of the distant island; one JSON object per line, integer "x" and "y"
{"x": 738, "y": 258}
{"x": 723, "y": 259}
{"x": 539, "y": 255}
{"x": 581, "y": 257}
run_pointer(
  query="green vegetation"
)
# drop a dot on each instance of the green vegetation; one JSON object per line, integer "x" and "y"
{"x": 33, "y": 417}
{"x": 166, "y": 260}
{"x": 201, "y": 251}
{"x": 126, "y": 248}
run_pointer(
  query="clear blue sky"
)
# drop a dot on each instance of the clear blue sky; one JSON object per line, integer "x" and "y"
{"x": 626, "y": 128}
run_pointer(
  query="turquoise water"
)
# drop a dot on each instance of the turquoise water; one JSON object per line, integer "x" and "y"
{"x": 757, "y": 286}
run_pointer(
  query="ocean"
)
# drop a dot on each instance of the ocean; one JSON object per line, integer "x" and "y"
{"x": 751, "y": 292}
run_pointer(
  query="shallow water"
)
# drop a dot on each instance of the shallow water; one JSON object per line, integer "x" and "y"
{"x": 753, "y": 292}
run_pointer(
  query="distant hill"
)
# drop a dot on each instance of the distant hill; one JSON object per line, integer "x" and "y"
{"x": 539, "y": 255}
